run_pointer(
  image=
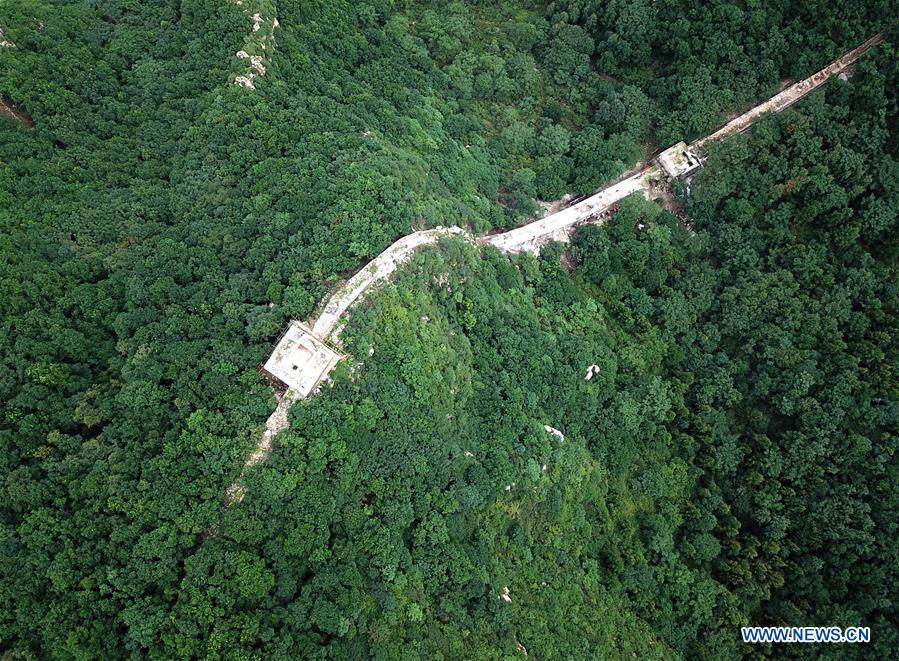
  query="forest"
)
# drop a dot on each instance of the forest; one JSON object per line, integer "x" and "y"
{"x": 731, "y": 460}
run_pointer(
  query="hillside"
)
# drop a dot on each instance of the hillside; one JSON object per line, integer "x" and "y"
{"x": 730, "y": 461}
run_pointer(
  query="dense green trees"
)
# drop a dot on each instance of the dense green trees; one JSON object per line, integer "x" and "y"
{"x": 697, "y": 62}
{"x": 730, "y": 461}
{"x": 798, "y": 347}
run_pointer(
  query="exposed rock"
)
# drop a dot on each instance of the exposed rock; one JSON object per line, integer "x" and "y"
{"x": 262, "y": 35}
{"x": 257, "y": 62}
{"x": 245, "y": 81}
{"x": 555, "y": 432}
{"x": 10, "y": 108}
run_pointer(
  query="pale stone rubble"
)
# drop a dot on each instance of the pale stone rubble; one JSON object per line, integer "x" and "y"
{"x": 5, "y": 43}
{"x": 555, "y": 432}
{"x": 257, "y": 21}
{"x": 261, "y": 38}
{"x": 257, "y": 63}
{"x": 276, "y": 423}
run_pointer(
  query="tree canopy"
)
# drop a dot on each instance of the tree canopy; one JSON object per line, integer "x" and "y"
{"x": 462, "y": 489}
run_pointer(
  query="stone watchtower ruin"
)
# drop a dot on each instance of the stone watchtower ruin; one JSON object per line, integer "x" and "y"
{"x": 301, "y": 360}
{"x": 679, "y": 161}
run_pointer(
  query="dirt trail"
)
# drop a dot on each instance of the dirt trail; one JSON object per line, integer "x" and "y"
{"x": 12, "y": 109}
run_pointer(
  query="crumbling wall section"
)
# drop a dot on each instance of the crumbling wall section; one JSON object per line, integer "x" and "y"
{"x": 558, "y": 226}
{"x": 378, "y": 270}
{"x": 793, "y": 93}
{"x": 260, "y": 42}
{"x": 528, "y": 238}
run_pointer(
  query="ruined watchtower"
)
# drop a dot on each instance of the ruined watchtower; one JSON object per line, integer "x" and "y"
{"x": 678, "y": 161}
{"x": 301, "y": 360}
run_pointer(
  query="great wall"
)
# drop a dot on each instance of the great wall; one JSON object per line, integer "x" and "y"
{"x": 307, "y": 352}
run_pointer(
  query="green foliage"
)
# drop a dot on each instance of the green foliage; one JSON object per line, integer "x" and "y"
{"x": 732, "y": 460}
{"x": 792, "y": 344}
{"x": 697, "y": 61}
